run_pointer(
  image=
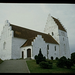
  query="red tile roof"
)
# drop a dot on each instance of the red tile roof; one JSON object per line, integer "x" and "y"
{"x": 29, "y": 34}
{"x": 59, "y": 24}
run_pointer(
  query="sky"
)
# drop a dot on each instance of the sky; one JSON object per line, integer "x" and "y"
{"x": 34, "y": 16}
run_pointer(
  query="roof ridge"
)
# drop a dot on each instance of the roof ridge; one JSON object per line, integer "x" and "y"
{"x": 27, "y": 28}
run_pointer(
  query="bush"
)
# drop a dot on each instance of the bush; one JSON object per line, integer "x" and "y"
{"x": 40, "y": 57}
{"x": 51, "y": 57}
{"x": 69, "y": 63}
{"x": 44, "y": 58}
{"x": 73, "y": 57}
{"x": 35, "y": 57}
{"x": 37, "y": 61}
{"x": 45, "y": 65}
{"x": 62, "y": 62}
{"x": 56, "y": 58}
{"x": 1, "y": 61}
{"x": 48, "y": 61}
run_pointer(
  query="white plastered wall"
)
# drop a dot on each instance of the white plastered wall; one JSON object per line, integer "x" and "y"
{"x": 52, "y": 52}
{"x": 40, "y": 43}
{"x": 50, "y": 27}
{"x": 24, "y": 49}
{"x": 64, "y": 49}
{"x": 16, "y": 44}
{"x": 37, "y": 44}
{"x": 6, "y": 37}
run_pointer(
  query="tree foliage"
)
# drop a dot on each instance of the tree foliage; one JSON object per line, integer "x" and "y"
{"x": 73, "y": 57}
{"x": 39, "y": 57}
{"x": 69, "y": 63}
{"x": 42, "y": 61}
{"x": 1, "y": 61}
{"x": 45, "y": 65}
{"x": 51, "y": 57}
{"x": 63, "y": 61}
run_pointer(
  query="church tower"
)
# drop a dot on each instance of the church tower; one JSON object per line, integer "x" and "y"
{"x": 54, "y": 28}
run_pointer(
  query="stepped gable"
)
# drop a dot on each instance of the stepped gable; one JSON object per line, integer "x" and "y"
{"x": 59, "y": 24}
{"x": 29, "y": 34}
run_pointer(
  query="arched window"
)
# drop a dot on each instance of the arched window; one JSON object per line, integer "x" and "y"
{"x": 4, "y": 45}
{"x": 55, "y": 48}
{"x": 48, "y": 47}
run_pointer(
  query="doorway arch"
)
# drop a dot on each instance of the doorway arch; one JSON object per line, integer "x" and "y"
{"x": 28, "y": 52}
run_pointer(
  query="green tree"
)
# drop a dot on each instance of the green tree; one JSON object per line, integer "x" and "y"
{"x": 62, "y": 62}
{"x": 73, "y": 57}
{"x": 69, "y": 63}
{"x": 40, "y": 57}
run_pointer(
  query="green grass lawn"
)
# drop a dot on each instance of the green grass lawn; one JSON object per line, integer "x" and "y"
{"x": 35, "y": 68}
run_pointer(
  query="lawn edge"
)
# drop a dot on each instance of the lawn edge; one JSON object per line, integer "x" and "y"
{"x": 27, "y": 67}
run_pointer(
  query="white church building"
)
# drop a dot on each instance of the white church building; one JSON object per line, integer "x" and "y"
{"x": 18, "y": 42}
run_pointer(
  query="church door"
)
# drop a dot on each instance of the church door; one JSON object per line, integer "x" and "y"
{"x": 28, "y": 52}
{"x": 22, "y": 54}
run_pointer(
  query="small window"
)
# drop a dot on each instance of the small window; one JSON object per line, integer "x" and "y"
{"x": 52, "y": 33}
{"x": 47, "y": 47}
{"x": 55, "y": 48}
